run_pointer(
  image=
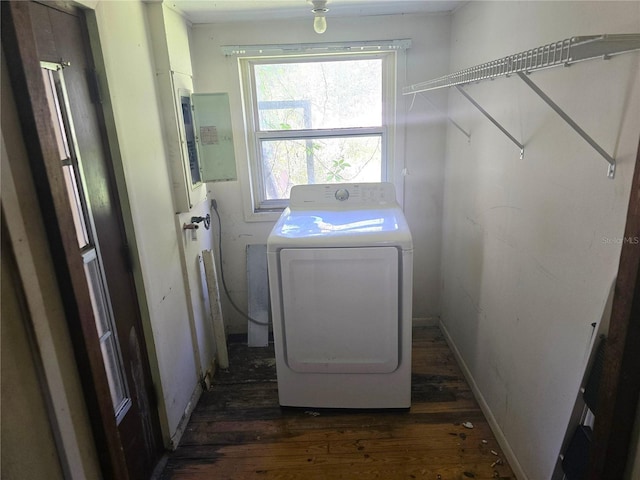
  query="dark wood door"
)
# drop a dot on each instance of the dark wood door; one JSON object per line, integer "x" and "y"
{"x": 47, "y": 50}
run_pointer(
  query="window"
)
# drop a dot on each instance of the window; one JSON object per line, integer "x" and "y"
{"x": 317, "y": 118}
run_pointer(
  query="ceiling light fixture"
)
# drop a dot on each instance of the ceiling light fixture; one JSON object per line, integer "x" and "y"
{"x": 320, "y": 21}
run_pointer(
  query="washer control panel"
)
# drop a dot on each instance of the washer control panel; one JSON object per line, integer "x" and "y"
{"x": 344, "y": 195}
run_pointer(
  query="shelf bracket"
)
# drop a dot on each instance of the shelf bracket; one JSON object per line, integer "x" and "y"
{"x": 451, "y": 120}
{"x": 612, "y": 163}
{"x": 492, "y": 120}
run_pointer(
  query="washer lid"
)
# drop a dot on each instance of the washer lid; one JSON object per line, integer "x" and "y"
{"x": 331, "y": 228}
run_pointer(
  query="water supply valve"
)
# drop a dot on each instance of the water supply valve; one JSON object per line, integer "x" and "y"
{"x": 206, "y": 220}
{"x": 193, "y": 227}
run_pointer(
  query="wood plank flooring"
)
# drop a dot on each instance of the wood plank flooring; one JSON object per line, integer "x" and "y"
{"x": 238, "y": 431}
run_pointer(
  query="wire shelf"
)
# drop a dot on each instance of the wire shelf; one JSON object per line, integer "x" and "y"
{"x": 563, "y": 52}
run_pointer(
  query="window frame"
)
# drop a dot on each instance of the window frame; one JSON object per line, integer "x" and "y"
{"x": 260, "y": 206}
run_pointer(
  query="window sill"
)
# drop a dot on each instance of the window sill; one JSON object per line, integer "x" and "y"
{"x": 263, "y": 215}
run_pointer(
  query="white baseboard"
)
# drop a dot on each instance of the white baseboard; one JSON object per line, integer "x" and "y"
{"x": 426, "y": 321}
{"x": 205, "y": 383}
{"x": 182, "y": 425}
{"x": 493, "y": 424}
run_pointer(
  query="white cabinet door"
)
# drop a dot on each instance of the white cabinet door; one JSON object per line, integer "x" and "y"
{"x": 214, "y": 136}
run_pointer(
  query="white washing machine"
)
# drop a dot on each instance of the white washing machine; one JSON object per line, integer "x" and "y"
{"x": 340, "y": 262}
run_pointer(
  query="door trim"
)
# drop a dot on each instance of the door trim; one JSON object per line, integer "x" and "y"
{"x": 112, "y": 141}
{"x": 620, "y": 382}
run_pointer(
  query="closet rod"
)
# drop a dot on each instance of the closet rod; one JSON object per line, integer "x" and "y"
{"x": 564, "y": 52}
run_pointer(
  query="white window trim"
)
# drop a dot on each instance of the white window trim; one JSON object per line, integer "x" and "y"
{"x": 393, "y": 137}
{"x": 310, "y": 48}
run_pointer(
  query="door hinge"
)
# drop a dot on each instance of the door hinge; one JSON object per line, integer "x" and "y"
{"x": 93, "y": 80}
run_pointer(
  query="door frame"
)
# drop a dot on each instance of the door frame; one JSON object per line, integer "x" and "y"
{"x": 619, "y": 389}
{"x": 29, "y": 92}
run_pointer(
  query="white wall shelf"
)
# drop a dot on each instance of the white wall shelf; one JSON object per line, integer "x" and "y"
{"x": 561, "y": 53}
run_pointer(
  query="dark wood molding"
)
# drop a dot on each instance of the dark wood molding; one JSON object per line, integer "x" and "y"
{"x": 66, "y": 6}
{"x": 620, "y": 384}
{"x": 23, "y": 63}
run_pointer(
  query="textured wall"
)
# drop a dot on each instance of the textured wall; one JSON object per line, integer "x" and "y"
{"x": 531, "y": 247}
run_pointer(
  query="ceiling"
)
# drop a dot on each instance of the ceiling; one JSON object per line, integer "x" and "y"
{"x": 211, "y": 11}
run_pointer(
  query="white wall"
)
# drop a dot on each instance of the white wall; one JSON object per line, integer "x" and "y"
{"x": 424, "y": 143}
{"x": 26, "y": 431}
{"x": 170, "y": 36}
{"x": 146, "y": 184}
{"x": 526, "y": 263}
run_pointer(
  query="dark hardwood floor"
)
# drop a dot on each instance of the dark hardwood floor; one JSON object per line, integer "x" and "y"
{"x": 238, "y": 431}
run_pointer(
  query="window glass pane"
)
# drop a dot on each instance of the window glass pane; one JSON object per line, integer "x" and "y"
{"x": 50, "y": 77}
{"x": 53, "y": 83}
{"x": 289, "y": 162}
{"x": 116, "y": 386}
{"x": 319, "y": 94}
{"x": 98, "y": 298}
{"x": 106, "y": 331}
{"x": 77, "y": 212}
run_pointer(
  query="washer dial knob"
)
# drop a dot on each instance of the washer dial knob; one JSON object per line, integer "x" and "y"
{"x": 342, "y": 194}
